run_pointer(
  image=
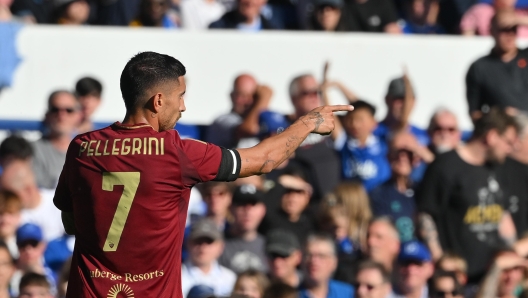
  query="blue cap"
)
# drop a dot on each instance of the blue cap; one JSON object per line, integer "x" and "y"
{"x": 200, "y": 291}
{"x": 27, "y": 232}
{"x": 272, "y": 123}
{"x": 414, "y": 250}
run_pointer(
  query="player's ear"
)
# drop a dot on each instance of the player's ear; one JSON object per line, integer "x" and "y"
{"x": 157, "y": 102}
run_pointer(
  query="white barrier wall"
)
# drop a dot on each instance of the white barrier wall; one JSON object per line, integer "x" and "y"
{"x": 55, "y": 57}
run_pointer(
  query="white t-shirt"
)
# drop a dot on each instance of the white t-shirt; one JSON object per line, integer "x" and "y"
{"x": 46, "y": 216}
{"x": 221, "y": 279}
{"x": 198, "y": 14}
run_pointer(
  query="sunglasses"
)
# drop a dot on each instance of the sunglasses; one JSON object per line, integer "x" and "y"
{"x": 411, "y": 262}
{"x": 508, "y": 29}
{"x": 445, "y": 293}
{"x": 204, "y": 240}
{"x": 56, "y": 110}
{"x": 309, "y": 93}
{"x": 369, "y": 287}
{"x": 292, "y": 190}
{"x": 32, "y": 243}
{"x": 447, "y": 129}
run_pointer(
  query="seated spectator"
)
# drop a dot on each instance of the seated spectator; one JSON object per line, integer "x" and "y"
{"x": 284, "y": 256}
{"x": 198, "y": 14}
{"x": 14, "y": 148}
{"x": 383, "y": 242}
{"x": 246, "y": 17}
{"x": 320, "y": 264}
{"x": 291, "y": 215}
{"x": 251, "y": 284}
{"x": 205, "y": 246}
{"x": 443, "y": 131}
{"x": 71, "y": 12}
{"x": 477, "y": 19}
{"x": 245, "y": 248}
{"x": 451, "y": 262}
{"x": 421, "y": 17}
{"x": 504, "y": 277}
{"x": 327, "y": 16}
{"x": 415, "y": 267}
{"x": 280, "y": 290}
{"x": 61, "y": 122}
{"x": 37, "y": 204}
{"x": 10, "y": 208}
{"x": 445, "y": 285}
{"x": 7, "y": 269}
{"x": 372, "y": 280}
{"x": 495, "y": 79}
{"x": 31, "y": 245}
{"x": 371, "y": 16}
{"x": 218, "y": 196}
{"x": 35, "y": 285}
{"x": 88, "y": 91}
{"x": 363, "y": 155}
{"x": 395, "y": 198}
{"x": 154, "y": 13}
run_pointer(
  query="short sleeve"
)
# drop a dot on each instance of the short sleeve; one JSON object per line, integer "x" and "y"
{"x": 473, "y": 92}
{"x": 63, "y": 198}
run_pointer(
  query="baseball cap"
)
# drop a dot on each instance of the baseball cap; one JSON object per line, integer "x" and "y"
{"x": 205, "y": 228}
{"x": 414, "y": 250}
{"x": 200, "y": 291}
{"x": 396, "y": 88}
{"x": 282, "y": 243}
{"x": 247, "y": 194}
{"x": 290, "y": 182}
{"x": 271, "y": 123}
{"x": 28, "y": 232}
{"x": 333, "y": 3}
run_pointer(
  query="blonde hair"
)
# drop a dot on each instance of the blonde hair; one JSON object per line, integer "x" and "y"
{"x": 351, "y": 200}
{"x": 258, "y": 277}
{"x": 456, "y": 258}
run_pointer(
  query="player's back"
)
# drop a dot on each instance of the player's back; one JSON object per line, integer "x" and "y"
{"x": 128, "y": 188}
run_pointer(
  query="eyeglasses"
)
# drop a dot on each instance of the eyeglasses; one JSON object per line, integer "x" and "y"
{"x": 447, "y": 129}
{"x": 309, "y": 93}
{"x": 56, "y": 110}
{"x": 445, "y": 293}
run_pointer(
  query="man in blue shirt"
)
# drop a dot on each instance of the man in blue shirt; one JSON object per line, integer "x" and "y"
{"x": 320, "y": 264}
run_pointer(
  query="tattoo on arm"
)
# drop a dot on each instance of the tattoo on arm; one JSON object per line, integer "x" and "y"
{"x": 429, "y": 233}
{"x": 269, "y": 161}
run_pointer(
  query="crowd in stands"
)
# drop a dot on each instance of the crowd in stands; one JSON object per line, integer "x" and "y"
{"x": 466, "y": 17}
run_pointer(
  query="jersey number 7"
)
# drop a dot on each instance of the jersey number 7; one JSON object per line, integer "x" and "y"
{"x": 130, "y": 182}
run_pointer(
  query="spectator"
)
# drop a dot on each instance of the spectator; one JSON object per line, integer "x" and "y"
{"x": 245, "y": 248}
{"x": 445, "y": 285}
{"x": 117, "y": 12}
{"x": 247, "y": 100}
{"x": 37, "y": 204}
{"x": 363, "y": 155}
{"x": 451, "y": 262}
{"x": 504, "y": 277}
{"x": 284, "y": 256}
{"x": 372, "y": 280}
{"x": 198, "y": 14}
{"x": 477, "y": 20}
{"x": 35, "y": 285}
{"x": 478, "y": 222}
{"x": 371, "y": 16}
{"x": 58, "y": 252}
{"x": 7, "y": 269}
{"x": 154, "y": 13}
{"x": 415, "y": 267}
{"x": 71, "y": 12}
{"x": 88, "y": 91}
{"x": 395, "y": 198}
{"x": 320, "y": 264}
{"x": 201, "y": 291}
{"x": 383, "y": 242}
{"x": 5, "y": 11}
{"x": 291, "y": 215}
{"x": 10, "y": 207}
{"x": 443, "y": 131}
{"x": 327, "y": 16}
{"x": 246, "y": 17}
{"x": 31, "y": 245}
{"x": 14, "y": 148}
{"x": 61, "y": 122}
{"x": 218, "y": 197}
{"x": 421, "y": 17}
{"x": 205, "y": 246}
{"x": 251, "y": 284}
{"x": 280, "y": 290}
{"x": 38, "y": 12}
{"x": 497, "y": 79}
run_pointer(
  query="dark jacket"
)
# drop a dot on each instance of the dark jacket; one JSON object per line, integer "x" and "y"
{"x": 230, "y": 20}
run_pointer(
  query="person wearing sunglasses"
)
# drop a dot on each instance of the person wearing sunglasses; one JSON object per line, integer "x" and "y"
{"x": 372, "y": 280}
{"x": 505, "y": 276}
{"x": 444, "y": 284}
{"x": 443, "y": 131}
{"x": 284, "y": 255}
{"x": 414, "y": 268}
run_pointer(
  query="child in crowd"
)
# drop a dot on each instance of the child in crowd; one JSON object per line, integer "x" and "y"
{"x": 251, "y": 284}
{"x": 34, "y": 285}
{"x": 363, "y": 155}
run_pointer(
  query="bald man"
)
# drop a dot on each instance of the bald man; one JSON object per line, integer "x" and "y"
{"x": 37, "y": 204}
{"x": 239, "y": 127}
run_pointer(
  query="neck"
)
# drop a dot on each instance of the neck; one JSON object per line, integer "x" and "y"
{"x": 35, "y": 202}
{"x": 363, "y": 140}
{"x": 292, "y": 279}
{"x": 474, "y": 152}
{"x": 143, "y": 116}
{"x": 506, "y": 56}
{"x": 60, "y": 142}
{"x": 414, "y": 293}
{"x": 401, "y": 183}
{"x": 294, "y": 217}
{"x": 246, "y": 235}
{"x": 219, "y": 219}
{"x": 205, "y": 268}
{"x": 250, "y": 20}
{"x": 318, "y": 289}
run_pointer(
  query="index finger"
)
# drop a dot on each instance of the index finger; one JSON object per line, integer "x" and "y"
{"x": 338, "y": 108}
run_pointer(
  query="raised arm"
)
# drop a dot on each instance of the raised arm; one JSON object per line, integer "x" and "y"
{"x": 408, "y": 101}
{"x": 250, "y": 125}
{"x": 271, "y": 152}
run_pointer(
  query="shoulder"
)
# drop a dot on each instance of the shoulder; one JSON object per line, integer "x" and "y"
{"x": 340, "y": 286}
{"x": 227, "y": 274}
{"x": 228, "y": 20}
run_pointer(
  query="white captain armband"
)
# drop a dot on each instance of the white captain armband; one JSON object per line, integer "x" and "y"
{"x": 229, "y": 169}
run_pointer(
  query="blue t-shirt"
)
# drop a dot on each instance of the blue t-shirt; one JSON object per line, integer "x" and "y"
{"x": 383, "y": 132}
{"x": 367, "y": 164}
{"x": 401, "y": 207}
{"x": 336, "y": 289}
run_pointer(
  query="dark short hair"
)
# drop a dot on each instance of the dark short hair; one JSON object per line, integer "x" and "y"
{"x": 496, "y": 119}
{"x": 88, "y": 86}
{"x": 16, "y": 147}
{"x": 370, "y": 264}
{"x": 56, "y": 93}
{"x": 444, "y": 274}
{"x": 361, "y": 104}
{"x": 34, "y": 279}
{"x": 144, "y": 71}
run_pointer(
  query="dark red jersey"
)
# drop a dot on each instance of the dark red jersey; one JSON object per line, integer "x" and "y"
{"x": 128, "y": 188}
